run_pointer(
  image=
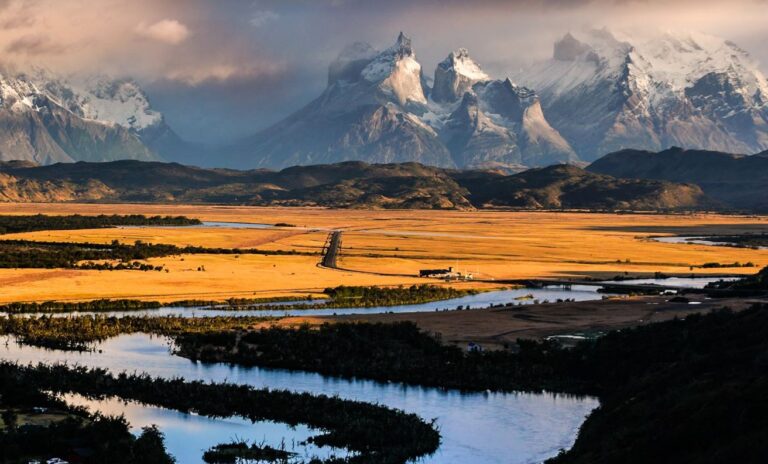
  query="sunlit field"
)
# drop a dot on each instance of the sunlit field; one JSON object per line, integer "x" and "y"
{"x": 378, "y": 248}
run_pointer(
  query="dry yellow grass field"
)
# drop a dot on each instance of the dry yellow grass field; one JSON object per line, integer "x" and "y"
{"x": 494, "y": 245}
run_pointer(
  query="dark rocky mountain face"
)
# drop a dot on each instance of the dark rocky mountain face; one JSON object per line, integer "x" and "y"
{"x": 344, "y": 185}
{"x": 738, "y": 181}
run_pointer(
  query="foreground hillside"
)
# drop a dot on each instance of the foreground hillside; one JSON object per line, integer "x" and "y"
{"x": 738, "y": 181}
{"x": 343, "y": 185}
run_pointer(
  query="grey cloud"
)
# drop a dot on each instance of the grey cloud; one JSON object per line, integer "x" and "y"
{"x": 34, "y": 44}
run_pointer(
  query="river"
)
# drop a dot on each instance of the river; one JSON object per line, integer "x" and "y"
{"x": 481, "y": 428}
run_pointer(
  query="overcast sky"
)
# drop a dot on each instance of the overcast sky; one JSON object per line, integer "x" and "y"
{"x": 221, "y": 69}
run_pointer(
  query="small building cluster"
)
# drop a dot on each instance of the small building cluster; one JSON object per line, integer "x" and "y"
{"x": 446, "y": 274}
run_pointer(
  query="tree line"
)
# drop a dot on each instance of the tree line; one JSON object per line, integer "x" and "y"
{"x": 101, "y": 256}
{"x": 690, "y": 390}
{"x": 79, "y": 436}
{"x": 79, "y": 333}
{"x": 376, "y": 434}
{"x": 339, "y": 297}
{"x": 12, "y": 224}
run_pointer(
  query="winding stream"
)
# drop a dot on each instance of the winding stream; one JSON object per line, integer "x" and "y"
{"x": 480, "y": 428}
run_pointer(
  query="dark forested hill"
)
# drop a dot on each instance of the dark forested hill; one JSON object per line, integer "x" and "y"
{"x": 738, "y": 181}
{"x": 345, "y": 185}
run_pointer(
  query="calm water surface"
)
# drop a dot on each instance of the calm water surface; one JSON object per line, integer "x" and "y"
{"x": 697, "y": 241}
{"x": 476, "y": 428}
{"x": 684, "y": 282}
{"x": 480, "y": 300}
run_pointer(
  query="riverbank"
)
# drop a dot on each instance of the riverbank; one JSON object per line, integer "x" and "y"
{"x": 497, "y": 328}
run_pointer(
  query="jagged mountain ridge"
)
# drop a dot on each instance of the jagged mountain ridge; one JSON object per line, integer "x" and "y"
{"x": 604, "y": 92}
{"x": 378, "y": 108}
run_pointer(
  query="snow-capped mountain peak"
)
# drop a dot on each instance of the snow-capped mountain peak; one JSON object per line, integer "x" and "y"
{"x": 397, "y": 73}
{"x": 97, "y": 97}
{"x": 607, "y": 90}
{"x": 375, "y": 109}
{"x": 456, "y": 75}
{"x": 463, "y": 64}
{"x": 52, "y": 117}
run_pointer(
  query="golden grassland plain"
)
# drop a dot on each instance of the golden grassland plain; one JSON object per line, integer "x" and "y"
{"x": 380, "y": 247}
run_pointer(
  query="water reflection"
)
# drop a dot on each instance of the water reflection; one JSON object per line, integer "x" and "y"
{"x": 476, "y": 428}
{"x": 683, "y": 282}
{"x": 480, "y": 300}
{"x": 187, "y": 436}
{"x": 698, "y": 241}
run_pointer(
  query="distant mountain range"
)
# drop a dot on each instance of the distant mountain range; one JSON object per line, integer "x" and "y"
{"x": 378, "y": 108}
{"x": 605, "y": 92}
{"x": 600, "y": 92}
{"x": 47, "y": 118}
{"x": 344, "y": 185}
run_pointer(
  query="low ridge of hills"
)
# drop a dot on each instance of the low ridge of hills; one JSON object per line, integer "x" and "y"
{"x": 351, "y": 184}
{"x": 737, "y": 181}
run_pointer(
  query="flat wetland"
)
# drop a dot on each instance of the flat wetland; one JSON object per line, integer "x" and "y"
{"x": 379, "y": 247}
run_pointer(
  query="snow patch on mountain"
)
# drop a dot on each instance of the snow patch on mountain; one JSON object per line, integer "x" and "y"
{"x": 397, "y": 72}
{"x": 605, "y": 91}
{"x": 376, "y": 109}
{"x": 99, "y": 98}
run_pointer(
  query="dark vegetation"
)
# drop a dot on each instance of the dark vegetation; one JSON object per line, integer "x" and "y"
{"x": 340, "y": 297}
{"x": 392, "y": 296}
{"x": 78, "y": 436}
{"x": 79, "y": 333}
{"x": 99, "y": 256}
{"x": 231, "y": 453}
{"x": 738, "y": 182}
{"x": 18, "y": 224}
{"x": 107, "y": 305}
{"x": 378, "y": 434}
{"x": 360, "y": 185}
{"x": 741, "y": 241}
{"x": 370, "y": 296}
{"x": 687, "y": 390}
{"x": 715, "y": 265}
{"x": 680, "y": 391}
{"x": 384, "y": 352}
{"x": 756, "y": 284}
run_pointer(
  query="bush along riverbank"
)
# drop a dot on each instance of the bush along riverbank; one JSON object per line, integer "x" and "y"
{"x": 375, "y": 434}
{"x": 12, "y": 224}
{"x": 36, "y": 427}
{"x": 384, "y": 352}
{"x": 80, "y": 333}
{"x": 369, "y": 297}
{"x": 689, "y": 390}
{"x": 111, "y": 256}
{"x": 339, "y": 297}
{"x": 109, "y": 305}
